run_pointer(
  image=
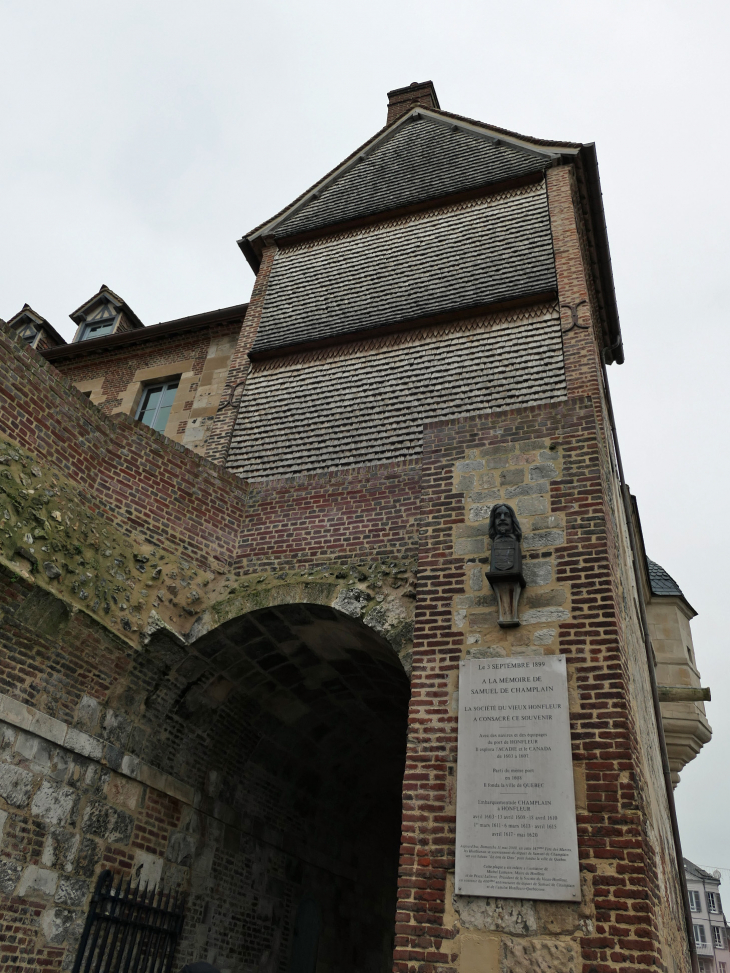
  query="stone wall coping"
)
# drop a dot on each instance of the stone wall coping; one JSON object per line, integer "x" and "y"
{"x": 26, "y": 717}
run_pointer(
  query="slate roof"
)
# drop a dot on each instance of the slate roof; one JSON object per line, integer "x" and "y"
{"x": 367, "y": 402}
{"x": 439, "y": 261}
{"x": 413, "y": 164}
{"x": 420, "y": 160}
{"x": 699, "y": 873}
{"x": 661, "y": 582}
{"x": 549, "y": 148}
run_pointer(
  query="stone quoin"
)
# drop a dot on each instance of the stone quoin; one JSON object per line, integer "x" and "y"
{"x": 244, "y": 555}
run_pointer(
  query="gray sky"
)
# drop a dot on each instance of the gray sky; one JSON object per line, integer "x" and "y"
{"x": 141, "y": 139}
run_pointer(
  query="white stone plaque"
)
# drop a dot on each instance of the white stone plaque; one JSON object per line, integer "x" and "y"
{"x": 516, "y": 834}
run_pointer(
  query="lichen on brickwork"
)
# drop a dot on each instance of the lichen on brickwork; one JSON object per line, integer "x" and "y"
{"x": 52, "y": 535}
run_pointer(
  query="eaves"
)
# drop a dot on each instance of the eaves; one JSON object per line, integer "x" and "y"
{"x": 179, "y": 326}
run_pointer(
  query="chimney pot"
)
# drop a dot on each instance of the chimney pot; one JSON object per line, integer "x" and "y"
{"x": 401, "y": 100}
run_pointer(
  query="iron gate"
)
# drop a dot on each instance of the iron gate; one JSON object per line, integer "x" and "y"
{"x": 129, "y": 930}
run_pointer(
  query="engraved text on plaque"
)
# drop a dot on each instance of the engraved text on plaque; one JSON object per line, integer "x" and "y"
{"x": 515, "y": 805}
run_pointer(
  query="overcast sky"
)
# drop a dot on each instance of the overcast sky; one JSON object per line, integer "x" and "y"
{"x": 140, "y": 140}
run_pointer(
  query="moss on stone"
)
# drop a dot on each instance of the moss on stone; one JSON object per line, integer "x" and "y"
{"x": 54, "y": 536}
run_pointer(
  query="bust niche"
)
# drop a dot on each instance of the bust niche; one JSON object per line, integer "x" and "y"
{"x": 505, "y": 568}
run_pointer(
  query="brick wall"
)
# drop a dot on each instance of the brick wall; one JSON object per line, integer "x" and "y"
{"x": 115, "y": 378}
{"x": 151, "y": 743}
{"x": 135, "y": 478}
{"x": 220, "y": 436}
{"x": 547, "y": 462}
{"x": 356, "y": 536}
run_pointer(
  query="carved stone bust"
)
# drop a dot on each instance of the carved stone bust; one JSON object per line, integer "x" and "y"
{"x": 505, "y": 568}
{"x": 506, "y": 534}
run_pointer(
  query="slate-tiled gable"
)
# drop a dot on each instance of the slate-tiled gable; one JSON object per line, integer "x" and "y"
{"x": 421, "y": 160}
{"x": 491, "y": 250}
{"x": 368, "y": 402}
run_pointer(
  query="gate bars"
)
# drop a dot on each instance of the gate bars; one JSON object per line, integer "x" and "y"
{"x": 129, "y": 930}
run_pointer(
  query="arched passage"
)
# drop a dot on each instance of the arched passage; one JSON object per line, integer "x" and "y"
{"x": 292, "y": 723}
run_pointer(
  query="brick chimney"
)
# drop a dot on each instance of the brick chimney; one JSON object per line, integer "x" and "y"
{"x": 401, "y": 100}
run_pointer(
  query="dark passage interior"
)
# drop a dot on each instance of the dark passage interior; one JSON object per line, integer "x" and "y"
{"x": 292, "y": 721}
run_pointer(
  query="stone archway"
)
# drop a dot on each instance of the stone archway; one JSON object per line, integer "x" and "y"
{"x": 290, "y": 722}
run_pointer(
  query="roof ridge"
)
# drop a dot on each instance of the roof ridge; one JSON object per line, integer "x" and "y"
{"x": 399, "y": 122}
{"x": 505, "y": 131}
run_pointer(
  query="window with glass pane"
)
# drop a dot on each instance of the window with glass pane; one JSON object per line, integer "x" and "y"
{"x": 100, "y": 323}
{"x": 97, "y": 329}
{"x": 712, "y": 905}
{"x": 156, "y": 403}
{"x": 694, "y": 900}
{"x": 700, "y": 937}
{"x": 717, "y": 936}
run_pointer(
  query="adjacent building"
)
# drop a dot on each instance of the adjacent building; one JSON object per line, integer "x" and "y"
{"x": 709, "y": 925}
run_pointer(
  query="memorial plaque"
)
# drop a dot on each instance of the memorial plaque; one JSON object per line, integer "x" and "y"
{"x": 516, "y": 834}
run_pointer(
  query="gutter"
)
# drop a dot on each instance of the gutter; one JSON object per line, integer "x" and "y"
{"x": 603, "y": 253}
{"x": 112, "y": 341}
{"x": 254, "y": 260}
{"x": 649, "y": 650}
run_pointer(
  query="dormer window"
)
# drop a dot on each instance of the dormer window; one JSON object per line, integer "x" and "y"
{"x": 34, "y": 330}
{"x": 102, "y": 315}
{"x": 101, "y": 322}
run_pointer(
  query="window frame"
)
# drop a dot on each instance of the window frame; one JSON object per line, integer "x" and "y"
{"x": 695, "y": 902}
{"x": 109, "y": 323}
{"x": 163, "y": 385}
{"x": 712, "y": 902}
{"x": 699, "y": 941}
{"x": 718, "y": 937}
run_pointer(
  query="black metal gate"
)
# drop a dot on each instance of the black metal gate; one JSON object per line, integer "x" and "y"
{"x": 129, "y": 930}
